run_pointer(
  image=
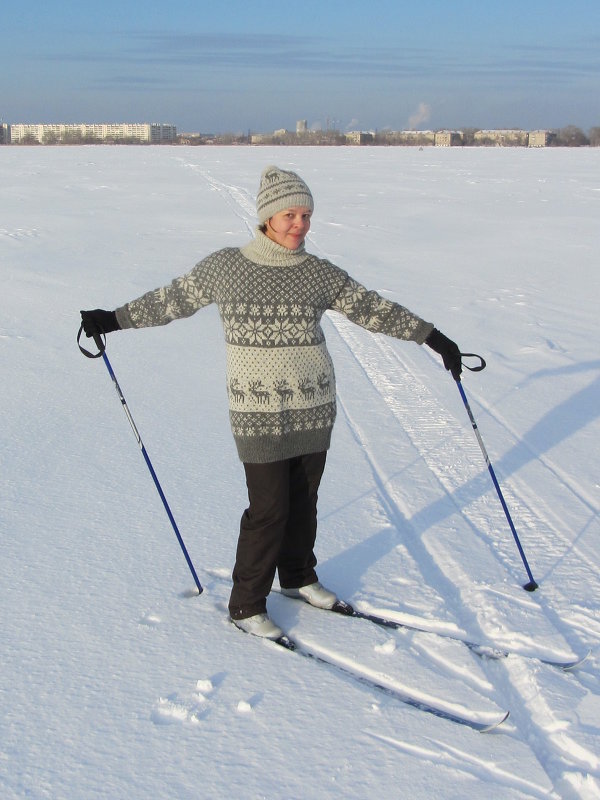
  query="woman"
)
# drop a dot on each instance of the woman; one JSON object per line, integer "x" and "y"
{"x": 271, "y": 295}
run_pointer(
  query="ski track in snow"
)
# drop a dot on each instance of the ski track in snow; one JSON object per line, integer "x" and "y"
{"x": 18, "y": 234}
{"x": 536, "y": 721}
{"x": 439, "y": 441}
{"x": 386, "y": 371}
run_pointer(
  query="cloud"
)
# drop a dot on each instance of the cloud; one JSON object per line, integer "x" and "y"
{"x": 284, "y": 52}
{"x": 181, "y": 54}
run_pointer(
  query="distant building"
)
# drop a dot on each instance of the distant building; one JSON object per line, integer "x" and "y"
{"x": 359, "y": 137}
{"x": 448, "y": 138}
{"x": 4, "y": 133}
{"x": 280, "y": 136}
{"x": 540, "y": 138}
{"x": 143, "y": 132}
{"x": 502, "y": 138}
{"x": 417, "y": 136}
{"x": 406, "y": 138}
{"x": 301, "y": 127}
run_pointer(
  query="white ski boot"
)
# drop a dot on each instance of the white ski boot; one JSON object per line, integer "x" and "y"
{"x": 259, "y": 625}
{"x": 315, "y": 594}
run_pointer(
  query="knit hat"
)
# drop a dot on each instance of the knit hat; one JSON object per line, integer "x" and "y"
{"x": 278, "y": 190}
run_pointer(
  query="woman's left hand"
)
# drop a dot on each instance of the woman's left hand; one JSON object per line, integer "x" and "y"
{"x": 448, "y": 350}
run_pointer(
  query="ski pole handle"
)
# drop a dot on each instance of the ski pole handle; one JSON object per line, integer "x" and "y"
{"x": 100, "y": 344}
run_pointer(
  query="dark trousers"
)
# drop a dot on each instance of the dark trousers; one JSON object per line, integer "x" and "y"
{"x": 277, "y": 531}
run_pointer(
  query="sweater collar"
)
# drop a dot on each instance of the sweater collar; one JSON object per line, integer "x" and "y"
{"x": 264, "y": 251}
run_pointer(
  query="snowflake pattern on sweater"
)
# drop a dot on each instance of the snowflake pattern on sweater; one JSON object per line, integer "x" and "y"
{"x": 280, "y": 377}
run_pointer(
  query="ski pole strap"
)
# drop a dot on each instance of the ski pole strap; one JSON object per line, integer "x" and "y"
{"x": 477, "y": 367}
{"x": 100, "y": 344}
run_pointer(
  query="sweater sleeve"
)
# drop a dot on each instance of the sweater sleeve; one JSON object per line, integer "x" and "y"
{"x": 181, "y": 298}
{"x": 377, "y": 314}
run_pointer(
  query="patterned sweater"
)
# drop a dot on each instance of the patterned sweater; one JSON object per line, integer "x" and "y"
{"x": 280, "y": 378}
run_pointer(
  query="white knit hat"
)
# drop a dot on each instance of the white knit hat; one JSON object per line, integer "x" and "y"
{"x": 278, "y": 190}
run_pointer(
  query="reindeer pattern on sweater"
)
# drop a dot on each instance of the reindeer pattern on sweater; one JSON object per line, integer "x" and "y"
{"x": 280, "y": 377}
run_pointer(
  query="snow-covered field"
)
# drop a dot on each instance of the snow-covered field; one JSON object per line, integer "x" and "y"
{"x": 117, "y": 682}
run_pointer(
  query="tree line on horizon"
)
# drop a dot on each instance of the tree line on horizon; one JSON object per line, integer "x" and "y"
{"x": 569, "y": 136}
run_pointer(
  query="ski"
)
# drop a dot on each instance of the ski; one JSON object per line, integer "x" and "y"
{"x": 379, "y": 684}
{"x": 482, "y": 650}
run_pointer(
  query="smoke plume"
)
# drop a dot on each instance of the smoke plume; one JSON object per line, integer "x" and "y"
{"x": 422, "y": 114}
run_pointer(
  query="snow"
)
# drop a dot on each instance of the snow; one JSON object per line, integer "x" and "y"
{"x": 116, "y": 680}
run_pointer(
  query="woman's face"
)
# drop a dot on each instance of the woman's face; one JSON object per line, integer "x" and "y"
{"x": 290, "y": 226}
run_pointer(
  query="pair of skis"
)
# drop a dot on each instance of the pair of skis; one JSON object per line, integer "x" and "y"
{"x": 482, "y": 723}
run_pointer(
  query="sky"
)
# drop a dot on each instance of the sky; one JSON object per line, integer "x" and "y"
{"x": 262, "y": 65}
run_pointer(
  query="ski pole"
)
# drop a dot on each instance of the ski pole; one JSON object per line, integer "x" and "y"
{"x": 101, "y": 345}
{"x": 531, "y": 586}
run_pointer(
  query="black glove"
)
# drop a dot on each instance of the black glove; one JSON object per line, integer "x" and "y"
{"x": 98, "y": 321}
{"x": 448, "y": 350}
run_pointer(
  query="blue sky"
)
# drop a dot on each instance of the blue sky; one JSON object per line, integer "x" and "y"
{"x": 257, "y": 65}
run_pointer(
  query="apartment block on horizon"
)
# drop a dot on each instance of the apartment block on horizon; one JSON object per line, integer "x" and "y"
{"x": 143, "y": 132}
{"x": 448, "y": 138}
{"x": 502, "y": 138}
{"x": 540, "y": 138}
{"x": 360, "y": 137}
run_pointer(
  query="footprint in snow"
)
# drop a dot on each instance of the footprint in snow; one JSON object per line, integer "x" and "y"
{"x": 150, "y": 620}
{"x": 386, "y": 648}
{"x": 248, "y": 706}
{"x": 184, "y": 710}
{"x": 173, "y": 709}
